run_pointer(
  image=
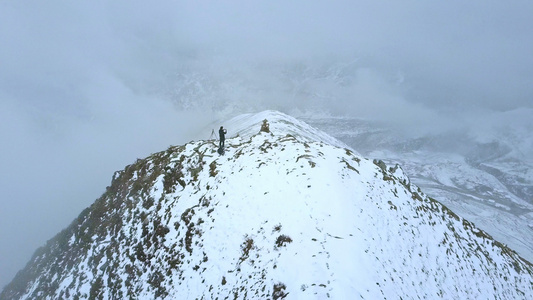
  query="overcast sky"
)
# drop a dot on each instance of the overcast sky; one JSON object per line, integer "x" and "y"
{"x": 86, "y": 87}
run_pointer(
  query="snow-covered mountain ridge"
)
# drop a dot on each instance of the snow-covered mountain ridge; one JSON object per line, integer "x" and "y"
{"x": 280, "y": 215}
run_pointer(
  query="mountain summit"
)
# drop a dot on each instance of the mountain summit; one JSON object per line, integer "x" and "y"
{"x": 287, "y": 212}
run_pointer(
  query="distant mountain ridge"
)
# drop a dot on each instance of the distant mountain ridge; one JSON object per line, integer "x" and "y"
{"x": 289, "y": 213}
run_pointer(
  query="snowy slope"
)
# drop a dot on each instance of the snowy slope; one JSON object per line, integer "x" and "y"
{"x": 280, "y": 215}
{"x": 490, "y": 184}
{"x": 476, "y": 195}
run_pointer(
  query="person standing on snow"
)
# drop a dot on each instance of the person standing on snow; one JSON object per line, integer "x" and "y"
{"x": 222, "y": 135}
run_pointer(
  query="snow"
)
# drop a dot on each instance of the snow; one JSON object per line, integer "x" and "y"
{"x": 474, "y": 195}
{"x": 293, "y": 211}
{"x": 249, "y": 124}
{"x": 481, "y": 182}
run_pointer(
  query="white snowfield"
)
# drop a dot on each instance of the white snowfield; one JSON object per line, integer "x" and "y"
{"x": 282, "y": 215}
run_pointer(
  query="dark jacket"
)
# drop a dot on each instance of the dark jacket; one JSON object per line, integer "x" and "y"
{"x": 222, "y": 133}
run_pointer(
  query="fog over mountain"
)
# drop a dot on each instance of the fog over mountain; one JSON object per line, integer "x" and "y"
{"x": 86, "y": 88}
